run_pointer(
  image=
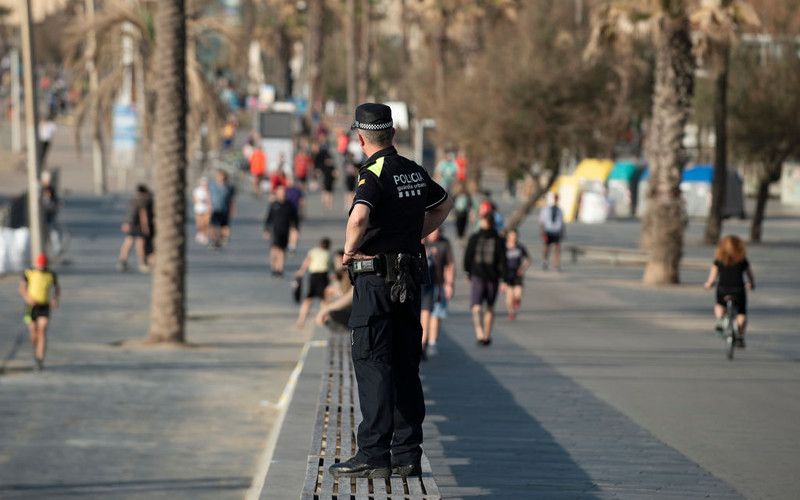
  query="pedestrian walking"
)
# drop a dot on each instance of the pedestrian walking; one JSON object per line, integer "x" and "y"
{"x": 47, "y": 130}
{"x": 136, "y": 227}
{"x": 319, "y": 264}
{"x": 281, "y": 217}
{"x": 396, "y": 204}
{"x": 222, "y": 209}
{"x": 325, "y": 169}
{"x": 551, "y": 224}
{"x": 296, "y": 197}
{"x": 35, "y": 289}
{"x": 442, "y": 269}
{"x": 485, "y": 264}
{"x": 462, "y": 203}
{"x": 258, "y": 168}
{"x": 228, "y": 132}
{"x": 201, "y": 206}
{"x": 730, "y": 265}
{"x": 302, "y": 165}
{"x": 517, "y": 262}
{"x": 446, "y": 171}
{"x": 353, "y": 158}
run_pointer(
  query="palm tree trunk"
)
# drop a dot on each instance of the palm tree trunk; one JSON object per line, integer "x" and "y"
{"x": 717, "y": 212}
{"x": 365, "y": 56}
{"x": 98, "y": 157}
{"x": 350, "y": 48}
{"x": 168, "y": 304}
{"x": 316, "y": 10}
{"x": 663, "y": 222}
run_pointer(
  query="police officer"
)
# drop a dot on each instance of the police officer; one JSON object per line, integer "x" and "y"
{"x": 395, "y": 205}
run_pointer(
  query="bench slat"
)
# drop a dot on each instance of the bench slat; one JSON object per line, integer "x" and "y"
{"x": 362, "y": 488}
{"x": 398, "y": 489}
{"x": 414, "y": 486}
{"x": 327, "y": 477}
{"x": 312, "y": 474}
{"x": 379, "y": 487}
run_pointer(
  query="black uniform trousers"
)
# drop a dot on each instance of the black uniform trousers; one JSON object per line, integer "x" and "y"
{"x": 386, "y": 342}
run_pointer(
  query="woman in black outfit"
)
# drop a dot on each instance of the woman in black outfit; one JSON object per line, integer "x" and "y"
{"x": 730, "y": 266}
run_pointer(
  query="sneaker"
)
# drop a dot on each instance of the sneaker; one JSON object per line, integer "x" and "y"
{"x": 39, "y": 366}
{"x": 512, "y": 316}
{"x": 144, "y": 269}
{"x": 432, "y": 350}
{"x": 122, "y": 266}
{"x": 516, "y": 303}
{"x": 544, "y": 265}
{"x": 740, "y": 343}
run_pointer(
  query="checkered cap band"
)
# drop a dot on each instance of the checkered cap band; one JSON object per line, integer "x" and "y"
{"x": 374, "y": 126}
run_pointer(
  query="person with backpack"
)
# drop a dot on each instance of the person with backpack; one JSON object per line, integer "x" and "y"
{"x": 551, "y": 223}
{"x": 485, "y": 264}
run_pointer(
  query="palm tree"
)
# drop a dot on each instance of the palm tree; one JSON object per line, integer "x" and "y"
{"x": 717, "y": 26}
{"x": 135, "y": 20}
{"x": 668, "y": 23}
{"x": 168, "y": 306}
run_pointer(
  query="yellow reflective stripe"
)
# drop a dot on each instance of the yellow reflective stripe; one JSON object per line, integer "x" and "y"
{"x": 376, "y": 167}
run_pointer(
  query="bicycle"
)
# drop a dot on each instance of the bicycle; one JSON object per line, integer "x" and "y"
{"x": 730, "y": 326}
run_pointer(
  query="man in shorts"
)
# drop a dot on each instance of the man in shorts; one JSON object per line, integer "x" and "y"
{"x": 281, "y": 217}
{"x": 485, "y": 264}
{"x": 551, "y": 223}
{"x": 435, "y": 296}
{"x": 222, "y": 209}
{"x": 137, "y": 228}
{"x": 35, "y": 289}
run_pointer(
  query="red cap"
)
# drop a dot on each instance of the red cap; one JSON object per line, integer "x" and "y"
{"x": 41, "y": 260}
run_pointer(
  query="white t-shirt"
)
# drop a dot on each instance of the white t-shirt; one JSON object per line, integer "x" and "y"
{"x": 47, "y": 129}
{"x": 552, "y": 223}
{"x": 200, "y": 195}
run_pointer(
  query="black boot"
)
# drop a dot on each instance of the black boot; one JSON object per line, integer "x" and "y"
{"x": 357, "y": 468}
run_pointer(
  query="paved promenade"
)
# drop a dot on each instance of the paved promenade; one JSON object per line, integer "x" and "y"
{"x": 601, "y": 389}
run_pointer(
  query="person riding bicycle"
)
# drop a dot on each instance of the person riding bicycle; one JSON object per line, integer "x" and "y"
{"x": 730, "y": 265}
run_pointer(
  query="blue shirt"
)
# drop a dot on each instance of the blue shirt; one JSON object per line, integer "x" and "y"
{"x": 221, "y": 197}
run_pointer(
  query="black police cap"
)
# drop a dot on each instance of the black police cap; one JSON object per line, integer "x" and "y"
{"x": 373, "y": 116}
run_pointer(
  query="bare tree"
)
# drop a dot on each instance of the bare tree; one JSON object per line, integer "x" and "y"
{"x": 528, "y": 99}
{"x": 765, "y": 123}
{"x": 717, "y": 26}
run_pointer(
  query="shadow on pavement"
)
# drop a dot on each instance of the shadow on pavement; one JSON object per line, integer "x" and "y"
{"x": 492, "y": 444}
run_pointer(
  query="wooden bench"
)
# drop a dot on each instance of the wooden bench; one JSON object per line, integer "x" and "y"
{"x": 334, "y": 440}
{"x": 614, "y": 255}
{"x": 625, "y": 256}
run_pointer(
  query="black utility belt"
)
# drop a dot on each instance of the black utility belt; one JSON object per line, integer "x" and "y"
{"x": 390, "y": 265}
{"x": 382, "y": 264}
{"x": 401, "y": 270}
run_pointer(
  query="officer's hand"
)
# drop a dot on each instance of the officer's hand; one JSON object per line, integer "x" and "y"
{"x": 354, "y": 256}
